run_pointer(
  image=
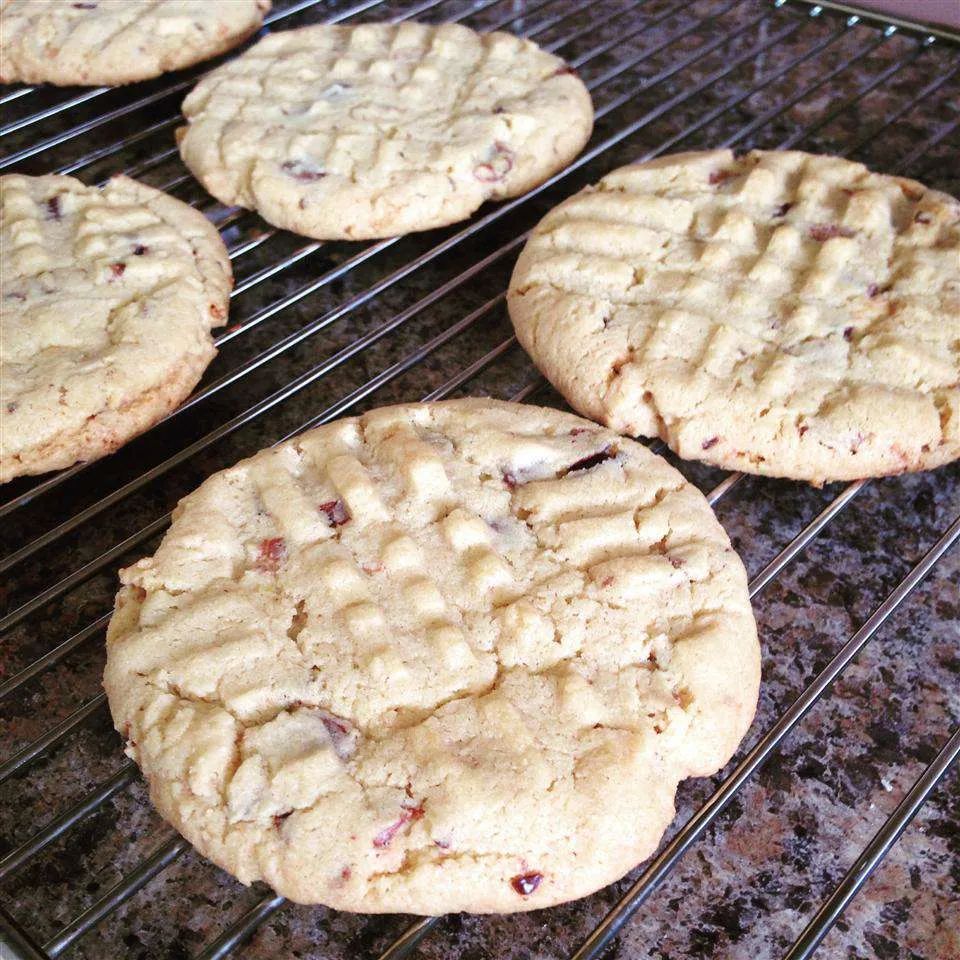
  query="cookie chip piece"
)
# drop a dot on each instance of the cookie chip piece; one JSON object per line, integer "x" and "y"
{"x": 117, "y": 41}
{"x": 341, "y": 132}
{"x": 108, "y": 297}
{"x": 778, "y": 313}
{"x": 450, "y": 656}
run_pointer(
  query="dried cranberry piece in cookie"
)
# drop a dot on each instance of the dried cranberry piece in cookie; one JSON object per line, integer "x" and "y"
{"x": 336, "y": 512}
{"x": 407, "y": 815}
{"x": 499, "y": 165}
{"x": 722, "y": 176}
{"x": 592, "y": 460}
{"x": 514, "y": 477}
{"x": 302, "y": 170}
{"x": 827, "y": 231}
{"x": 334, "y": 725}
{"x": 271, "y": 553}
{"x": 526, "y": 883}
{"x": 343, "y": 736}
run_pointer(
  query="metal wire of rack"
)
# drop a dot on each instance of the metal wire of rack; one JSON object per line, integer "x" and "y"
{"x": 664, "y": 75}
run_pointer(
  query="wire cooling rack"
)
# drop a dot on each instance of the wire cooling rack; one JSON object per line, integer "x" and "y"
{"x": 855, "y": 587}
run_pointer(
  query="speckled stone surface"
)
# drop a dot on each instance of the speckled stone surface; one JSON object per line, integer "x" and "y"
{"x": 747, "y": 74}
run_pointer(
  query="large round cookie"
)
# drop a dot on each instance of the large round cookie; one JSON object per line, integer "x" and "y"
{"x": 443, "y": 657}
{"x": 108, "y": 300}
{"x": 776, "y": 313}
{"x": 342, "y": 132}
{"x": 117, "y": 41}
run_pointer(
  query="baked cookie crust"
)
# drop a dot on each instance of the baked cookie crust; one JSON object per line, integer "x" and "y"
{"x": 108, "y": 298}
{"x": 112, "y": 42}
{"x": 441, "y": 657}
{"x": 358, "y": 132}
{"x": 778, "y": 313}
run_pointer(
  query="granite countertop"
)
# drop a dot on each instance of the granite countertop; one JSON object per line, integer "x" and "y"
{"x": 747, "y": 888}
